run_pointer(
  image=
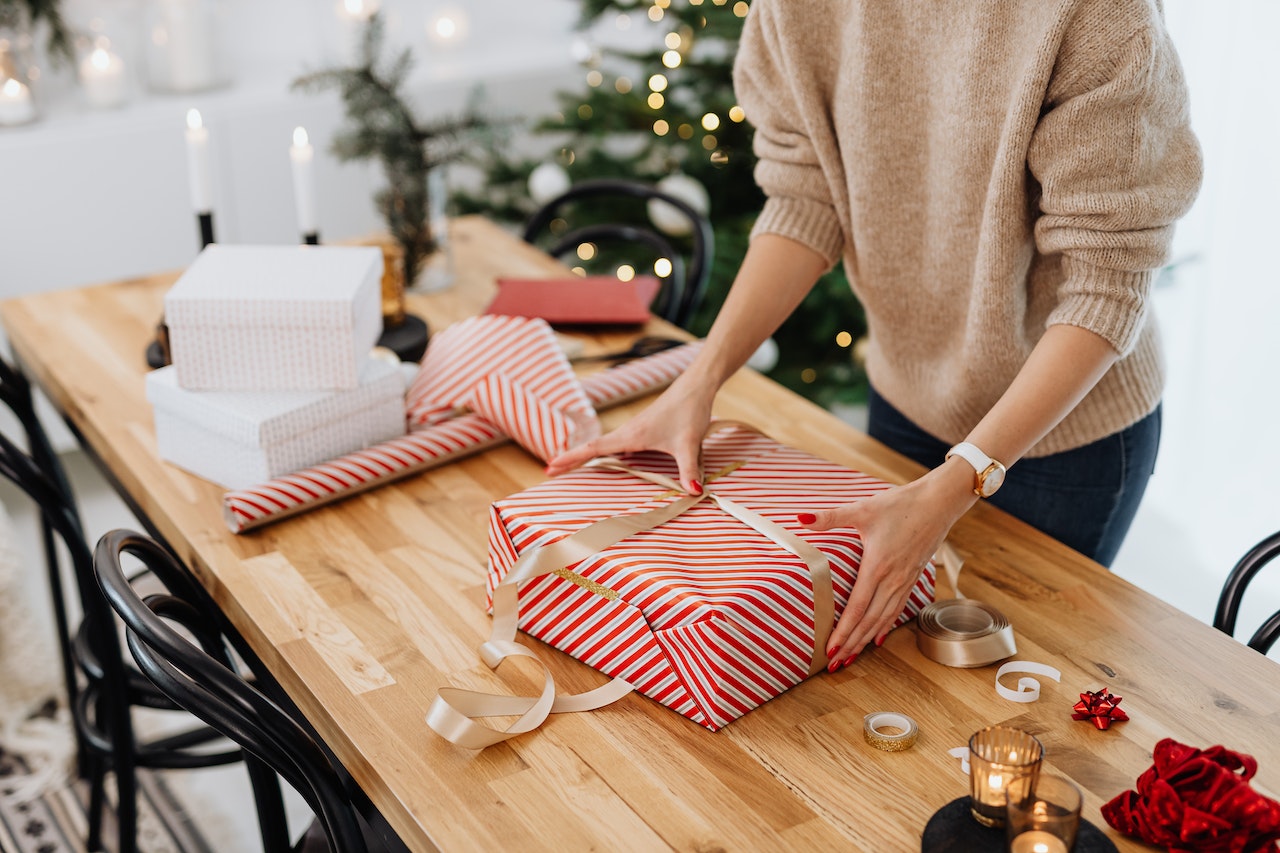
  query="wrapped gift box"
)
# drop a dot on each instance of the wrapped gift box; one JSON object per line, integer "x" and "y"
{"x": 703, "y": 613}
{"x": 257, "y": 318}
{"x": 239, "y": 438}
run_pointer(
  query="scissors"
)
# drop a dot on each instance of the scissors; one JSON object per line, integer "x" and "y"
{"x": 640, "y": 347}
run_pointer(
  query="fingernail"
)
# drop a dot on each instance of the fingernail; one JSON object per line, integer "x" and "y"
{"x": 880, "y": 640}
{"x": 697, "y": 487}
{"x": 850, "y": 659}
{"x": 833, "y": 666}
{"x": 806, "y": 518}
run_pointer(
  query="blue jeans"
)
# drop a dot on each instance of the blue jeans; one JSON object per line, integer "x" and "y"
{"x": 1085, "y": 498}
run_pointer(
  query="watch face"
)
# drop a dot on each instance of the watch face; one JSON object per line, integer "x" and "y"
{"x": 992, "y": 481}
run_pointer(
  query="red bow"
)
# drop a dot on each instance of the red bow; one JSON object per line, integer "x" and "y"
{"x": 1198, "y": 801}
{"x": 1101, "y": 709}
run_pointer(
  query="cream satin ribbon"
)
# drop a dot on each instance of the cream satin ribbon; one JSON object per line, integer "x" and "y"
{"x": 961, "y": 632}
{"x": 454, "y": 711}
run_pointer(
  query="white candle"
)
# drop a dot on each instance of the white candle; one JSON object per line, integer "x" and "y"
{"x": 198, "y": 163}
{"x": 16, "y": 106}
{"x": 352, "y": 17}
{"x": 304, "y": 197}
{"x": 181, "y": 57}
{"x": 1036, "y": 841}
{"x": 102, "y": 75}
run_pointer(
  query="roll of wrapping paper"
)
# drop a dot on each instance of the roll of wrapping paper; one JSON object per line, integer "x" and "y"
{"x": 961, "y": 632}
{"x": 429, "y": 447}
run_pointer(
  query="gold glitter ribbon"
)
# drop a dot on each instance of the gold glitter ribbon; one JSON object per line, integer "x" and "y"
{"x": 903, "y": 740}
{"x": 454, "y": 711}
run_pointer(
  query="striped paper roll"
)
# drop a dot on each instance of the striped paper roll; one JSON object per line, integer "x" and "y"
{"x": 428, "y": 447}
{"x": 704, "y": 613}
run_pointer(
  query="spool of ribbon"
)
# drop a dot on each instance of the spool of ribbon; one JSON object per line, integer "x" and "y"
{"x": 903, "y": 739}
{"x": 964, "y": 633}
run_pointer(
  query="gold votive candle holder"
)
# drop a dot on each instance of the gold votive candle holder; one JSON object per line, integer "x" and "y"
{"x": 1042, "y": 815}
{"x": 997, "y": 756}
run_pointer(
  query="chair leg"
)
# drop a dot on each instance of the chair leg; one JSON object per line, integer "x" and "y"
{"x": 272, "y": 821}
{"x": 97, "y": 800}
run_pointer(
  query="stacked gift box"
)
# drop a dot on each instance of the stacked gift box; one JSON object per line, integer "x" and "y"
{"x": 272, "y": 368}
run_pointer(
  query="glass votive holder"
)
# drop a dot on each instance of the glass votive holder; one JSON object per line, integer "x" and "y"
{"x": 1042, "y": 815}
{"x": 997, "y": 756}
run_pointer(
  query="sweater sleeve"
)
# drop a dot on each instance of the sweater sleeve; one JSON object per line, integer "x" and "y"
{"x": 1117, "y": 164}
{"x": 798, "y": 199}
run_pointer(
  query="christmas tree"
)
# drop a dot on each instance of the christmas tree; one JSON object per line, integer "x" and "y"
{"x": 667, "y": 115}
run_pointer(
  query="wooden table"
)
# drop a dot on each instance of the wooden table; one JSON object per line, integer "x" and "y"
{"x": 364, "y": 608}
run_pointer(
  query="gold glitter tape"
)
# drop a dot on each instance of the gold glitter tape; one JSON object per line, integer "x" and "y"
{"x": 905, "y": 739}
{"x": 587, "y": 584}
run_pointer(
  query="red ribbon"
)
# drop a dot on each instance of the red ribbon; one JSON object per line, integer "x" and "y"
{"x": 1198, "y": 801}
{"x": 1101, "y": 709}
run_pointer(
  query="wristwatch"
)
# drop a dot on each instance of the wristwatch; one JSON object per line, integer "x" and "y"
{"x": 988, "y": 474}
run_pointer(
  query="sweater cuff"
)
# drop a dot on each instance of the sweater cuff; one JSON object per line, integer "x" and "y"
{"x": 810, "y": 223}
{"x": 1109, "y": 303}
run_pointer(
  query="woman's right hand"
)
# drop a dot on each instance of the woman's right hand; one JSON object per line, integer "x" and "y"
{"x": 674, "y": 424}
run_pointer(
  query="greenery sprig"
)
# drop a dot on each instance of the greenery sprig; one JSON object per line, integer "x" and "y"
{"x": 41, "y": 10}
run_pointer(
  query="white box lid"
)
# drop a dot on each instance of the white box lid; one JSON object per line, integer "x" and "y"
{"x": 262, "y": 418}
{"x": 230, "y": 285}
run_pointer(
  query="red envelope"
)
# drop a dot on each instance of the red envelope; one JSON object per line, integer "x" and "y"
{"x": 577, "y": 300}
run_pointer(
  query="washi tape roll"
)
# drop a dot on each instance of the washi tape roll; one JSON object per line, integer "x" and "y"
{"x": 964, "y": 633}
{"x": 905, "y": 738}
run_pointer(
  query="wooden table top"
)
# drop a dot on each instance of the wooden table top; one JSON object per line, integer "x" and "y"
{"x": 364, "y": 608}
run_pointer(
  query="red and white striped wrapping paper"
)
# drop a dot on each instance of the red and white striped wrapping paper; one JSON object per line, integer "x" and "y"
{"x": 703, "y": 613}
{"x": 428, "y": 447}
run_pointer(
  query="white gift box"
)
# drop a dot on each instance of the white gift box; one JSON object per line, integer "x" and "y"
{"x": 239, "y": 438}
{"x": 257, "y": 318}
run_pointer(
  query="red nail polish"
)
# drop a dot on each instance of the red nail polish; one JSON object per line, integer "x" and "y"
{"x": 806, "y": 518}
{"x": 833, "y": 666}
{"x": 880, "y": 640}
{"x": 697, "y": 487}
{"x": 850, "y": 659}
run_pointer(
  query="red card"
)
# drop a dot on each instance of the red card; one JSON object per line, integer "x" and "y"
{"x": 578, "y": 300}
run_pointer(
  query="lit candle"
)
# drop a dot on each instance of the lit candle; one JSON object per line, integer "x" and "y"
{"x": 102, "y": 75}
{"x": 352, "y": 17}
{"x": 198, "y": 163}
{"x": 304, "y": 198}
{"x": 1036, "y": 841}
{"x": 181, "y": 55}
{"x": 16, "y": 106}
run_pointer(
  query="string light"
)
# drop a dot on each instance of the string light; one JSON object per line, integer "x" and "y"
{"x": 808, "y": 376}
{"x": 623, "y": 21}
{"x": 656, "y": 101}
{"x": 655, "y": 13}
{"x": 623, "y": 85}
{"x": 660, "y": 127}
{"x": 665, "y": 4}
{"x": 843, "y": 339}
{"x": 594, "y": 78}
{"x": 709, "y": 142}
{"x": 584, "y": 112}
{"x": 710, "y": 121}
{"x": 672, "y": 40}
{"x": 685, "y": 131}
{"x": 586, "y": 251}
{"x": 740, "y": 9}
{"x": 626, "y": 272}
{"x": 662, "y": 267}
{"x": 567, "y": 156}
{"x": 671, "y": 58}
{"x": 657, "y": 83}
{"x": 580, "y": 271}
{"x": 736, "y": 113}
{"x": 695, "y": 2}
{"x": 719, "y": 158}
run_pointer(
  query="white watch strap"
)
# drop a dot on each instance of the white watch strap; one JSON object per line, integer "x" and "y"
{"x": 971, "y": 454}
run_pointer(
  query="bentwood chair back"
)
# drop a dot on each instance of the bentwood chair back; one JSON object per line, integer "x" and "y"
{"x": 1233, "y": 593}
{"x": 197, "y": 671}
{"x": 102, "y": 688}
{"x": 682, "y": 288}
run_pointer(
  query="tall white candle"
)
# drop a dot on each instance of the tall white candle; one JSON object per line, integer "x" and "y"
{"x": 181, "y": 55}
{"x": 102, "y": 76}
{"x": 16, "y": 106}
{"x": 198, "y": 163}
{"x": 304, "y": 197}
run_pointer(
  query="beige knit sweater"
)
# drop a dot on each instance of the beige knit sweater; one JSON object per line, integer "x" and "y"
{"x": 985, "y": 168}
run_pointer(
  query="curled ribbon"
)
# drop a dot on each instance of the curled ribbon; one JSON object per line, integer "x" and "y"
{"x": 453, "y": 712}
{"x": 1028, "y": 688}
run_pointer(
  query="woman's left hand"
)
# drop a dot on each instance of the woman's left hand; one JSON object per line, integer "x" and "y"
{"x": 901, "y": 529}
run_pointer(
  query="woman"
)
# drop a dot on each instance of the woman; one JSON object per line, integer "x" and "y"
{"x": 1001, "y": 179}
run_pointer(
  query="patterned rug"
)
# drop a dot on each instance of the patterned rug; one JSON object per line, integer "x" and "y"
{"x": 56, "y": 822}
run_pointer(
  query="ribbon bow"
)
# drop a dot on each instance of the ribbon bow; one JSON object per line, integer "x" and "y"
{"x": 1101, "y": 708}
{"x": 1198, "y": 801}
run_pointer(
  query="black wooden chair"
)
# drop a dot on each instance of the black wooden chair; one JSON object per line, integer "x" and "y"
{"x": 1233, "y": 591}
{"x": 682, "y": 288}
{"x": 102, "y": 687}
{"x": 197, "y": 671}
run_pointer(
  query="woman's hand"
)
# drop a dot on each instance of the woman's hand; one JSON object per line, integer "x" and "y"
{"x": 901, "y": 529}
{"x": 674, "y": 424}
